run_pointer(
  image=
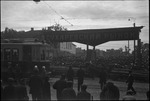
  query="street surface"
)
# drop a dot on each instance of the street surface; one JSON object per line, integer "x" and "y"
{"x": 94, "y": 88}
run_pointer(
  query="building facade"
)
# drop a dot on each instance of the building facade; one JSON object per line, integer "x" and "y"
{"x": 68, "y": 47}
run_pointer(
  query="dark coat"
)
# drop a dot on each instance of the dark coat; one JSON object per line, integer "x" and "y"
{"x": 84, "y": 95}
{"x": 102, "y": 76}
{"x": 35, "y": 84}
{"x": 22, "y": 93}
{"x": 9, "y": 93}
{"x": 130, "y": 79}
{"x": 80, "y": 75}
{"x": 68, "y": 94}
{"x": 46, "y": 91}
{"x": 2, "y": 91}
{"x": 60, "y": 85}
{"x": 70, "y": 74}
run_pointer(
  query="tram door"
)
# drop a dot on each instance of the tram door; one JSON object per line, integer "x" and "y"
{"x": 27, "y": 56}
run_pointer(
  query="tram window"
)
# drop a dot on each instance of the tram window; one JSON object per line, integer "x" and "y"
{"x": 7, "y": 54}
{"x": 43, "y": 55}
{"x": 15, "y": 54}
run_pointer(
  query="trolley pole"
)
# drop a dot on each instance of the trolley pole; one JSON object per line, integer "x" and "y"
{"x": 87, "y": 53}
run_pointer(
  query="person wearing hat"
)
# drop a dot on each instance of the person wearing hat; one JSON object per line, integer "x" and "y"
{"x": 130, "y": 81}
{"x": 110, "y": 92}
{"x": 9, "y": 92}
{"x": 43, "y": 72}
{"x": 36, "y": 84}
{"x": 60, "y": 85}
{"x": 84, "y": 95}
{"x": 69, "y": 93}
{"x": 22, "y": 91}
{"x": 80, "y": 75}
{"x": 70, "y": 74}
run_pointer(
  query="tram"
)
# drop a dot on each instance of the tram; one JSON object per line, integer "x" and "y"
{"x": 25, "y": 54}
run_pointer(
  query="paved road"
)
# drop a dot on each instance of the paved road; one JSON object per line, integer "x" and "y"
{"x": 94, "y": 88}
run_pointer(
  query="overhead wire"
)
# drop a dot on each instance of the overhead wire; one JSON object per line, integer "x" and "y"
{"x": 58, "y": 13}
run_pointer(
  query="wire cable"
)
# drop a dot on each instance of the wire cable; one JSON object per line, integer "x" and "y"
{"x": 58, "y": 13}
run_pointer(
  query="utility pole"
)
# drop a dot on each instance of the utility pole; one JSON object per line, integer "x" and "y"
{"x": 128, "y": 47}
{"x": 87, "y": 53}
{"x": 134, "y": 40}
{"x": 134, "y": 47}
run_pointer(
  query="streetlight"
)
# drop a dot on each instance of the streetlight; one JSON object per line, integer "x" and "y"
{"x": 132, "y": 19}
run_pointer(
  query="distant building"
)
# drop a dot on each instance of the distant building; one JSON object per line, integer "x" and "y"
{"x": 68, "y": 47}
{"x": 80, "y": 52}
{"x": 100, "y": 53}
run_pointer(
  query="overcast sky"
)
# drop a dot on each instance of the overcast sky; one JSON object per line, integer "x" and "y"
{"x": 22, "y": 15}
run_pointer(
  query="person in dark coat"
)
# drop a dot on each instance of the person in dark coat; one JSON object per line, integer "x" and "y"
{"x": 69, "y": 93}
{"x": 102, "y": 78}
{"x": 22, "y": 91}
{"x": 10, "y": 70}
{"x": 2, "y": 91}
{"x": 84, "y": 95}
{"x": 70, "y": 74}
{"x": 46, "y": 89}
{"x": 43, "y": 72}
{"x": 147, "y": 94}
{"x": 36, "y": 84}
{"x": 110, "y": 92}
{"x": 9, "y": 92}
{"x": 60, "y": 85}
{"x": 80, "y": 75}
{"x": 130, "y": 81}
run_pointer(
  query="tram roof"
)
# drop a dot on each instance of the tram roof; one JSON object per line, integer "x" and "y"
{"x": 26, "y": 43}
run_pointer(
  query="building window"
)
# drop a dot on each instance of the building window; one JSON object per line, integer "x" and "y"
{"x": 7, "y": 54}
{"x": 15, "y": 54}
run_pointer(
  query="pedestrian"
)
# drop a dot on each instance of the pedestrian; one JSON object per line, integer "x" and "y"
{"x": 46, "y": 89}
{"x": 69, "y": 93}
{"x": 110, "y": 92}
{"x": 36, "y": 84}
{"x": 9, "y": 92}
{"x": 43, "y": 72}
{"x": 147, "y": 94}
{"x": 130, "y": 81}
{"x": 60, "y": 85}
{"x": 10, "y": 70}
{"x": 84, "y": 95}
{"x": 70, "y": 74}
{"x": 17, "y": 72}
{"x": 2, "y": 90}
{"x": 102, "y": 77}
{"x": 22, "y": 91}
{"x": 80, "y": 75}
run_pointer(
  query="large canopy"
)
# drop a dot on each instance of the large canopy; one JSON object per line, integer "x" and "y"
{"x": 94, "y": 36}
{"x": 91, "y": 37}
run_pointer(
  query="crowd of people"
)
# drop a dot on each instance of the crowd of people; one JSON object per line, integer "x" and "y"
{"x": 40, "y": 87}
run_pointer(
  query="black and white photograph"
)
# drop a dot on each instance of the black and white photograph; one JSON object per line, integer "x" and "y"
{"x": 74, "y": 50}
